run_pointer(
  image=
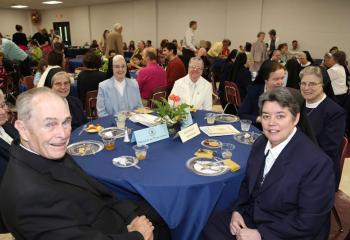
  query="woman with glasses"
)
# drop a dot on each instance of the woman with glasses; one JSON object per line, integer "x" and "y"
{"x": 286, "y": 192}
{"x": 60, "y": 84}
{"x": 118, "y": 93}
{"x": 327, "y": 118}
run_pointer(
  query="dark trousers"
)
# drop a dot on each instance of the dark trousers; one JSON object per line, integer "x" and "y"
{"x": 218, "y": 227}
{"x": 187, "y": 54}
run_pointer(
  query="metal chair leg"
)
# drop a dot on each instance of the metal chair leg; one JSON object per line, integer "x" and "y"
{"x": 337, "y": 219}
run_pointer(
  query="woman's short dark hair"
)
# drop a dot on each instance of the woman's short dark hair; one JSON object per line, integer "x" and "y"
{"x": 91, "y": 60}
{"x": 283, "y": 97}
{"x": 282, "y": 45}
{"x": 171, "y": 47}
{"x": 193, "y": 23}
{"x": 19, "y": 27}
{"x": 55, "y": 58}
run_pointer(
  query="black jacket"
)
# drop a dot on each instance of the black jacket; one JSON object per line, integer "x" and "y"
{"x": 5, "y": 147}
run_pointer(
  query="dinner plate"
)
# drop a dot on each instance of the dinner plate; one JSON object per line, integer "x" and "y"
{"x": 206, "y": 166}
{"x": 246, "y": 137}
{"x": 84, "y": 148}
{"x": 226, "y": 118}
{"x": 125, "y": 161}
{"x": 211, "y": 143}
{"x": 93, "y": 130}
{"x": 112, "y": 132}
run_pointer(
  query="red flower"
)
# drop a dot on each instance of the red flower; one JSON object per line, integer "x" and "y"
{"x": 174, "y": 98}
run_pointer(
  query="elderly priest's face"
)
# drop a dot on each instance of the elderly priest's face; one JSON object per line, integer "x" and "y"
{"x": 48, "y": 129}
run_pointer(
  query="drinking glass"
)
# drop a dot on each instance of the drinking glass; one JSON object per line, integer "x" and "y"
{"x": 120, "y": 119}
{"x": 140, "y": 151}
{"x": 245, "y": 125}
{"x": 210, "y": 118}
{"x": 226, "y": 150}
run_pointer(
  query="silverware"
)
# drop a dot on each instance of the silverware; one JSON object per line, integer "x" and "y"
{"x": 82, "y": 130}
{"x": 137, "y": 166}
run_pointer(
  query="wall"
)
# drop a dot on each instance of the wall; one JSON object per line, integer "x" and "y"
{"x": 317, "y": 24}
{"x": 9, "y": 19}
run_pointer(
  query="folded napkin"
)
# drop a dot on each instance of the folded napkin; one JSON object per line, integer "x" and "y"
{"x": 145, "y": 119}
{"x": 219, "y": 130}
{"x": 231, "y": 165}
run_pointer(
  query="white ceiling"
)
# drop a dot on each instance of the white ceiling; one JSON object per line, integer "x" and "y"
{"x": 36, "y": 4}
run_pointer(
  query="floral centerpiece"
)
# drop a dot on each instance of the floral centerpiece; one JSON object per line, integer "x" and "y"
{"x": 171, "y": 114}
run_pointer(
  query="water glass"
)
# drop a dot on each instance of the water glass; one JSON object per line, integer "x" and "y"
{"x": 120, "y": 119}
{"x": 226, "y": 150}
{"x": 245, "y": 125}
{"x": 140, "y": 151}
{"x": 210, "y": 118}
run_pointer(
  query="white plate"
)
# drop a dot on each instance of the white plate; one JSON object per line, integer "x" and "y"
{"x": 112, "y": 132}
{"x": 226, "y": 118}
{"x": 84, "y": 148}
{"x": 208, "y": 146}
{"x": 125, "y": 161}
{"x": 246, "y": 137}
{"x": 206, "y": 166}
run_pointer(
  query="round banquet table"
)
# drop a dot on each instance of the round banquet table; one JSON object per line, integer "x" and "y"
{"x": 184, "y": 200}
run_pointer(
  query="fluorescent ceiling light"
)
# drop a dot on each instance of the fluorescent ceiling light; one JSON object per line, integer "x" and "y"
{"x": 52, "y": 2}
{"x": 19, "y": 6}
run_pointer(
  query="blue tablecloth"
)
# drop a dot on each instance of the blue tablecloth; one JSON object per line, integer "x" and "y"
{"x": 184, "y": 199}
{"x": 74, "y": 63}
{"x": 73, "y": 52}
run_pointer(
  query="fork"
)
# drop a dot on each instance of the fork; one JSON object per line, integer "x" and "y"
{"x": 82, "y": 130}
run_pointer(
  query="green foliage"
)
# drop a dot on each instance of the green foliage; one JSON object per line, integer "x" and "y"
{"x": 165, "y": 109}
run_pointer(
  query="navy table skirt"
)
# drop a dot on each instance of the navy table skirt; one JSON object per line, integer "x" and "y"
{"x": 184, "y": 199}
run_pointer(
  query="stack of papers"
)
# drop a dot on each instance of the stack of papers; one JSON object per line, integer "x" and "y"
{"x": 219, "y": 130}
{"x": 145, "y": 119}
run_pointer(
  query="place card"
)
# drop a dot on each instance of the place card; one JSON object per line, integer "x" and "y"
{"x": 189, "y": 132}
{"x": 187, "y": 121}
{"x": 150, "y": 135}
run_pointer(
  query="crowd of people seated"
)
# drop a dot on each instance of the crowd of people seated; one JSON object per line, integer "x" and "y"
{"x": 301, "y": 106}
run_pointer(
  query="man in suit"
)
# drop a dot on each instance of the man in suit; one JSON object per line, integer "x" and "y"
{"x": 46, "y": 195}
{"x": 287, "y": 192}
{"x": 7, "y": 134}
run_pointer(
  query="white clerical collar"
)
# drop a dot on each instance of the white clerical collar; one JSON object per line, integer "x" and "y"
{"x": 275, "y": 151}
{"x": 306, "y": 64}
{"x": 28, "y": 149}
{"x": 315, "y": 104}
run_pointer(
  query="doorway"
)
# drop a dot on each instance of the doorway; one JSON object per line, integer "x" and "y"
{"x": 63, "y": 29}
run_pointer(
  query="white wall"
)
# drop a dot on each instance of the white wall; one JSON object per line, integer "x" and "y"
{"x": 317, "y": 24}
{"x": 9, "y": 19}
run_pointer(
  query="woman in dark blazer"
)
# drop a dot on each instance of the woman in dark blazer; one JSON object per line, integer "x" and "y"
{"x": 89, "y": 78}
{"x": 286, "y": 193}
{"x": 60, "y": 84}
{"x": 327, "y": 118}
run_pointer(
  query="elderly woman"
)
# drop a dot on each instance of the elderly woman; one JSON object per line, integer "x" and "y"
{"x": 326, "y": 117}
{"x": 286, "y": 193}
{"x": 118, "y": 93}
{"x": 60, "y": 84}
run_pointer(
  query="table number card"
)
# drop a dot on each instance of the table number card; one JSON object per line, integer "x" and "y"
{"x": 150, "y": 135}
{"x": 189, "y": 132}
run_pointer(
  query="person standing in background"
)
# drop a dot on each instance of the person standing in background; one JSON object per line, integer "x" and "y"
{"x": 20, "y": 38}
{"x": 273, "y": 43}
{"x": 102, "y": 42}
{"x": 259, "y": 52}
{"x": 189, "y": 45}
{"x": 115, "y": 40}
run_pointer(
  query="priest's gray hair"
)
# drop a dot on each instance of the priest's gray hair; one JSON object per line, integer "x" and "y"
{"x": 25, "y": 101}
{"x": 283, "y": 97}
{"x": 312, "y": 70}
